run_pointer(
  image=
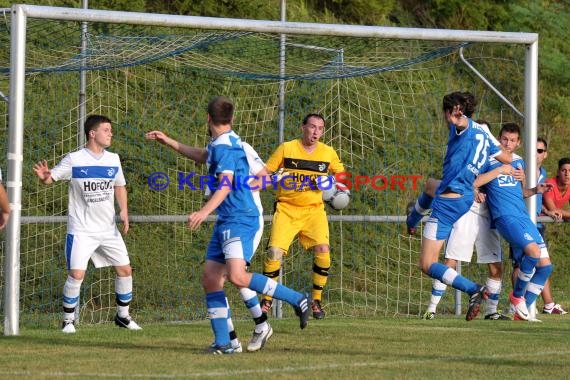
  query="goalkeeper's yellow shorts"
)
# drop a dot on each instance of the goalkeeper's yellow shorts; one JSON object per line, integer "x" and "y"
{"x": 309, "y": 222}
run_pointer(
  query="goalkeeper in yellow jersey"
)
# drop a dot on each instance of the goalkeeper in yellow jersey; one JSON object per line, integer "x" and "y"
{"x": 299, "y": 208}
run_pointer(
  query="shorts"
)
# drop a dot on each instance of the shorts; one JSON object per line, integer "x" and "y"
{"x": 233, "y": 238}
{"x": 470, "y": 230}
{"x": 520, "y": 232}
{"x": 310, "y": 223}
{"x": 104, "y": 250}
{"x": 542, "y": 230}
{"x": 445, "y": 212}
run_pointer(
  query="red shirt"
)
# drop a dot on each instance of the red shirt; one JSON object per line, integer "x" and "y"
{"x": 559, "y": 199}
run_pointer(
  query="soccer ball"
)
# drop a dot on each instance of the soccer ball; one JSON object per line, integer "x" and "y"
{"x": 335, "y": 194}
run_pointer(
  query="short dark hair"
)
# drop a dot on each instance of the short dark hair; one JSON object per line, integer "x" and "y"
{"x": 563, "y": 161}
{"x": 221, "y": 110}
{"x": 319, "y": 116}
{"x": 542, "y": 140}
{"x": 510, "y": 128}
{"x": 92, "y": 122}
{"x": 465, "y": 100}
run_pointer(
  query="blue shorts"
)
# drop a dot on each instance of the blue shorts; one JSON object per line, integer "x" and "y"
{"x": 445, "y": 212}
{"x": 519, "y": 232}
{"x": 233, "y": 238}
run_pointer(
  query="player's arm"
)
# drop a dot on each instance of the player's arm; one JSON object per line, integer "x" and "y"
{"x": 196, "y": 218}
{"x": 121, "y": 197}
{"x": 485, "y": 178}
{"x": 5, "y": 206}
{"x": 200, "y": 155}
{"x": 42, "y": 171}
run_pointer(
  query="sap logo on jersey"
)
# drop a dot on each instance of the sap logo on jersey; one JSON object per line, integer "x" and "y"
{"x": 506, "y": 180}
{"x": 97, "y": 186}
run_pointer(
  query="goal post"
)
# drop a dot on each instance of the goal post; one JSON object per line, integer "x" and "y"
{"x": 368, "y": 114}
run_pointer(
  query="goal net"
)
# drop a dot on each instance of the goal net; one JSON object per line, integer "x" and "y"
{"x": 381, "y": 99}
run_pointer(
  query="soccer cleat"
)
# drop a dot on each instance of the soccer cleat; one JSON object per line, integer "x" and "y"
{"x": 519, "y": 304}
{"x": 258, "y": 340}
{"x": 318, "y": 312}
{"x": 126, "y": 322}
{"x": 409, "y": 209}
{"x": 237, "y": 347}
{"x": 497, "y": 317}
{"x": 428, "y": 315}
{"x": 530, "y": 319}
{"x": 221, "y": 350}
{"x": 303, "y": 311}
{"x": 265, "y": 305}
{"x": 475, "y": 302}
{"x": 556, "y": 309}
{"x": 68, "y": 326}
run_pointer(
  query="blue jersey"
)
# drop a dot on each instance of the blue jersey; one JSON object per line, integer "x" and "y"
{"x": 467, "y": 152}
{"x": 226, "y": 155}
{"x": 505, "y": 193}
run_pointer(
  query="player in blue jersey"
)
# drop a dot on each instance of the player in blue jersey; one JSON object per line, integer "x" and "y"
{"x": 510, "y": 216}
{"x": 95, "y": 178}
{"x": 468, "y": 148}
{"x": 263, "y": 331}
{"x": 231, "y": 246}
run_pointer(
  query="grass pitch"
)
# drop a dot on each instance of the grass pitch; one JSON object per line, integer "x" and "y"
{"x": 333, "y": 348}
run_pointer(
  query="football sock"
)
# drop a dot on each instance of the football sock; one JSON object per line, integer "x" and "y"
{"x": 218, "y": 315}
{"x": 527, "y": 268}
{"x": 321, "y": 266}
{"x": 494, "y": 289}
{"x": 450, "y": 277}
{"x": 71, "y": 290}
{"x": 537, "y": 282}
{"x": 267, "y": 286}
{"x": 271, "y": 269}
{"x": 421, "y": 208}
{"x": 250, "y": 300}
{"x": 437, "y": 291}
{"x": 124, "y": 294}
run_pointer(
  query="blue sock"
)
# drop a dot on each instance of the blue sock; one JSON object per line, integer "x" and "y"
{"x": 450, "y": 277}
{"x": 218, "y": 315}
{"x": 525, "y": 274}
{"x": 267, "y": 286}
{"x": 424, "y": 204}
{"x": 537, "y": 282}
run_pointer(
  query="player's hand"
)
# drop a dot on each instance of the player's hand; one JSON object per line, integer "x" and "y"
{"x": 124, "y": 215}
{"x": 196, "y": 218}
{"x": 506, "y": 169}
{"x": 159, "y": 136}
{"x": 480, "y": 197}
{"x": 278, "y": 175}
{"x": 4, "y": 216}
{"x": 542, "y": 188}
{"x": 519, "y": 174}
{"x": 42, "y": 170}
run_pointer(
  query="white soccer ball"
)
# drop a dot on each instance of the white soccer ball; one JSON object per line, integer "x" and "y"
{"x": 335, "y": 194}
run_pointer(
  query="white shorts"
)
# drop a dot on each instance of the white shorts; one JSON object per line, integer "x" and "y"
{"x": 104, "y": 250}
{"x": 470, "y": 230}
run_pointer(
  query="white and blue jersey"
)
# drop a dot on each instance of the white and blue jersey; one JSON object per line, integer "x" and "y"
{"x": 508, "y": 210}
{"x": 238, "y": 216}
{"x": 467, "y": 151}
{"x": 91, "y": 190}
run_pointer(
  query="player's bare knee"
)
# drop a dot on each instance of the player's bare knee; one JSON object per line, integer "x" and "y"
{"x": 431, "y": 186}
{"x": 321, "y": 248}
{"x": 124, "y": 270}
{"x": 275, "y": 253}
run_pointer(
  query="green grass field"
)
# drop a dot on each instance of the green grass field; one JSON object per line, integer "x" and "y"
{"x": 334, "y": 348}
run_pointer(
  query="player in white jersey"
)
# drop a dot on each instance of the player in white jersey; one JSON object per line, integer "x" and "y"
{"x": 95, "y": 179}
{"x": 4, "y": 205}
{"x": 263, "y": 330}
